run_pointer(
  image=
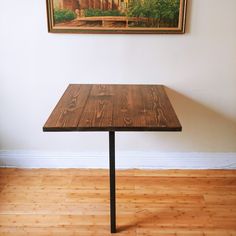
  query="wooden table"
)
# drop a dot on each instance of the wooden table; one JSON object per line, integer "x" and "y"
{"x": 106, "y": 107}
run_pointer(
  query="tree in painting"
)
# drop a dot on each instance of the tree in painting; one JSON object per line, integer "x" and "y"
{"x": 155, "y": 13}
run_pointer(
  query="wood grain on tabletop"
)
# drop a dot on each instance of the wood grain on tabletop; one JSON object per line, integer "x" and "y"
{"x": 96, "y": 107}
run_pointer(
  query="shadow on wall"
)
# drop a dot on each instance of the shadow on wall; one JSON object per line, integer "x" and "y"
{"x": 203, "y": 128}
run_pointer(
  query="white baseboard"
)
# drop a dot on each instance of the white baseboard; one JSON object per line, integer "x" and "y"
{"x": 124, "y": 160}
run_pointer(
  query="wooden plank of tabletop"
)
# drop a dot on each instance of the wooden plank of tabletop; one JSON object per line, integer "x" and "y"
{"x": 99, "y": 107}
{"x": 158, "y": 109}
{"x": 113, "y": 108}
{"x": 128, "y": 107}
{"x": 68, "y": 110}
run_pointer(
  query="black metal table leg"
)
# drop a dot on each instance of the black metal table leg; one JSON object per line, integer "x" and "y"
{"x": 112, "y": 181}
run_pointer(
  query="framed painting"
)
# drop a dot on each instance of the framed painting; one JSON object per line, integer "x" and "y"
{"x": 116, "y": 16}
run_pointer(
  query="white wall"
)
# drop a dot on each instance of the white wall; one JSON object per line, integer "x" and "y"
{"x": 199, "y": 69}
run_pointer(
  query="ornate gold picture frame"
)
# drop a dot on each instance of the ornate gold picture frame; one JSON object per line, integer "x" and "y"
{"x": 117, "y": 16}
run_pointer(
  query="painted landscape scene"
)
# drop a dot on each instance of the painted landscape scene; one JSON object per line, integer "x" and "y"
{"x": 116, "y": 14}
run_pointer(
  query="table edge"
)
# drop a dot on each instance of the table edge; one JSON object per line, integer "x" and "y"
{"x": 101, "y": 129}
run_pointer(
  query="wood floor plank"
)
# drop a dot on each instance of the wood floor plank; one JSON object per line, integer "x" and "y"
{"x": 149, "y": 202}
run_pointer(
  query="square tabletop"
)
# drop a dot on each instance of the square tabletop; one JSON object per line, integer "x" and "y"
{"x": 113, "y": 107}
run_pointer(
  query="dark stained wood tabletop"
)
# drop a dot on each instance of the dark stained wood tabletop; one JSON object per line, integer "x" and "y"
{"x": 107, "y": 107}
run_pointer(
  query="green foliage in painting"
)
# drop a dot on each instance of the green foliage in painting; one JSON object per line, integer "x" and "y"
{"x": 159, "y": 12}
{"x": 99, "y": 12}
{"x": 63, "y": 15}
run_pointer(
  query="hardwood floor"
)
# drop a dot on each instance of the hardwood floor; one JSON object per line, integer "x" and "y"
{"x": 76, "y": 202}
